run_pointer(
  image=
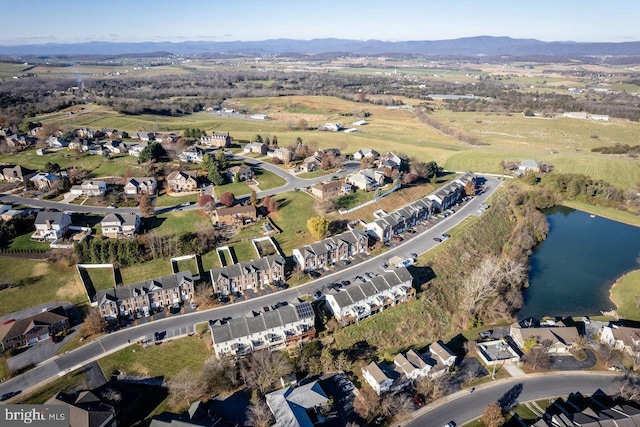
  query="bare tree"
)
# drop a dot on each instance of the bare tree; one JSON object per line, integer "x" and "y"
{"x": 367, "y": 404}
{"x": 608, "y": 354}
{"x": 432, "y": 388}
{"x": 537, "y": 356}
{"x": 629, "y": 387}
{"x": 259, "y": 414}
{"x": 94, "y": 323}
{"x": 186, "y": 386}
{"x": 396, "y": 406}
{"x": 263, "y": 368}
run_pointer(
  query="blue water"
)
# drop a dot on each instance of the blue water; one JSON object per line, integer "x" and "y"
{"x": 573, "y": 269}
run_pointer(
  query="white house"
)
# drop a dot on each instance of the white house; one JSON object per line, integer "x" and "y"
{"x": 90, "y": 188}
{"x": 277, "y": 328}
{"x": 366, "y": 153}
{"x": 367, "y": 179}
{"x": 140, "y": 185}
{"x": 379, "y": 377}
{"x": 51, "y": 225}
{"x": 192, "y": 154}
{"x": 360, "y": 300}
{"x": 117, "y": 225}
{"x": 623, "y": 338}
{"x": 56, "y": 142}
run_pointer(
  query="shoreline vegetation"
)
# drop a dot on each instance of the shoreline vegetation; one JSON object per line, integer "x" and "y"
{"x": 625, "y": 294}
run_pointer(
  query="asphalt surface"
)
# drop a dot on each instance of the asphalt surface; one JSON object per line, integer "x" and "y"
{"x": 181, "y": 325}
{"x": 463, "y": 406}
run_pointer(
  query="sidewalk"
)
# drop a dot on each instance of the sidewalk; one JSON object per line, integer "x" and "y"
{"x": 513, "y": 370}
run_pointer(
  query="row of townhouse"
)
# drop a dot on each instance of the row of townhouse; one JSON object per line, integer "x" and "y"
{"x": 360, "y": 300}
{"x": 141, "y": 298}
{"x": 278, "y": 328}
{"x": 400, "y": 220}
{"x": 408, "y": 367}
{"x": 331, "y": 250}
{"x": 243, "y": 276}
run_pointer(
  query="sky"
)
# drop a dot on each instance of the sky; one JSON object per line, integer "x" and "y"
{"x": 77, "y": 21}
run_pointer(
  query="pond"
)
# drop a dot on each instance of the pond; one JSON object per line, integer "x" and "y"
{"x": 573, "y": 269}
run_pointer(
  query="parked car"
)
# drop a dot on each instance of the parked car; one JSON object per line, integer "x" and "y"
{"x": 445, "y": 235}
{"x": 437, "y": 239}
{"x": 414, "y": 255}
{"x": 418, "y": 400}
{"x": 485, "y": 334}
{"x": 193, "y": 305}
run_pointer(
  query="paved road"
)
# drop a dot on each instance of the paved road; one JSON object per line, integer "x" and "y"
{"x": 463, "y": 406}
{"x": 183, "y": 324}
{"x": 292, "y": 182}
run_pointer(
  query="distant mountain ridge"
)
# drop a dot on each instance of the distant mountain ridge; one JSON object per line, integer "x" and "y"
{"x": 468, "y": 46}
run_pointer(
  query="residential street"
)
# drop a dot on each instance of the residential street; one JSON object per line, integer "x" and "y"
{"x": 183, "y": 324}
{"x": 463, "y": 406}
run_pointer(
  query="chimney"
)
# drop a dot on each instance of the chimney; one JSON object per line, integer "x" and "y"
{"x": 48, "y": 222}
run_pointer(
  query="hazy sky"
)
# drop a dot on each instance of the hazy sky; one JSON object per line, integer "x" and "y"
{"x": 72, "y": 21}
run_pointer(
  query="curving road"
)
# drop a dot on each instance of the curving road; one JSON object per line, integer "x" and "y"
{"x": 462, "y": 407}
{"x": 183, "y": 324}
{"x": 292, "y": 182}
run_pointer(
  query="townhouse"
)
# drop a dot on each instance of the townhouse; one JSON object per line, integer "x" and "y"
{"x": 366, "y": 153}
{"x": 116, "y": 226}
{"x": 331, "y": 250}
{"x": 243, "y": 276}
{"x": 178, "y": 181}
{"x": 140, "y": 185}
{"x": 358, "y": 301}
{"x": 283, "y": 326}
{"x": 141, "y": 298}
{"x": 408, "y": 367}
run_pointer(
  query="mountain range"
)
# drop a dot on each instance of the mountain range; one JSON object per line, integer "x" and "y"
{"x": 468, "y": 46}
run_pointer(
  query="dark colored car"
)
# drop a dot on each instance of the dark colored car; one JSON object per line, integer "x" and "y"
{"x": 437, "y": 239}
{"x": 445, "y": 235}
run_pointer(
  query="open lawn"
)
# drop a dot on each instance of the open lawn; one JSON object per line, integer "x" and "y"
{"x": 625, "y": 293}
{"x": 267, "y": 180}
{"x": 102, "y": 278}
{"x": 159, "y": 360}
{"x": 178, "y": 222}
{"x": 148, "y": 270}
{"x": 175, "y": 199}
{"x": 291, "y": 218}
{"x": 38, "y": 282}
{"x": 24, "y": 243}
{"x": 210, "y": 260}
{"x": 244, "y": 251}
{"x": 614, "y": 214}
{"x": 188, "y": 265}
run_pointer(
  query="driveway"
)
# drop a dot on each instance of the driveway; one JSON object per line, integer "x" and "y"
{"x": 570, "y": 363}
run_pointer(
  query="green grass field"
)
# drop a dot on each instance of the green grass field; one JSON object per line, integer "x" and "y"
{"x": 148, "y": 270}
{"x": 188, "y": 265}
{"x": 295, "y": 209}
{"x": 24, "y": 243}
{"x": 158, "y": 360}
{"x": 38, "y": 282}
{"x": 102, "y": 278}
{"x": 179, "y": 222}
{"x": 625, "y": 293}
